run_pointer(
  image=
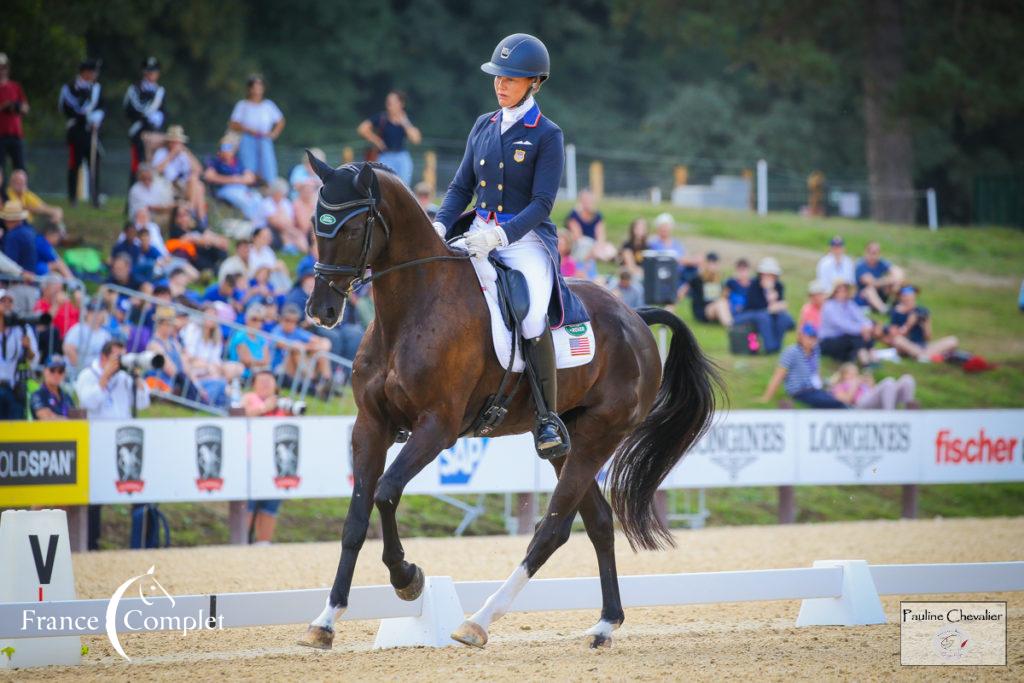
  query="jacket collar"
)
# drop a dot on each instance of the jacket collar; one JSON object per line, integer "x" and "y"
{"x": 530, "y": 119}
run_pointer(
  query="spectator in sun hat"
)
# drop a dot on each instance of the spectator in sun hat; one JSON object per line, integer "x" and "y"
{"x": 19, "y": 245}
{"x": 179, "y": 167}
{"x": 50, "y": 401}
{"x": 13, "y": 105}
{"x": 810, "y": 313}
{"x": 836, "y": 265}
{"x": 846, "y": 333}
{"x": 232, "y": 183}
{"x": 799, "y": 369}
{"x": 144, "y": 108}
{"x": 766, "y": 305}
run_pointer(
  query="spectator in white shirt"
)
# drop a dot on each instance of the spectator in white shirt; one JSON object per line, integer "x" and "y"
{"x": 105, "y": 390}
{"x": 17, "y": 345}
{"x": 181, "y": 168}
{"x": 277, "y": 212}
{"x": 151, "y": 192}
{"x": 836, "y": 265}
{"x": 260, "y": 122}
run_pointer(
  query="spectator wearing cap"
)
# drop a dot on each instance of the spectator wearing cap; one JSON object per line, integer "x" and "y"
{"x": 295, "y": 343}
{"x": 151, "y": 192}
{"x": 80, "y": 102}
{"x": 910, "y": 330}
{"x": 248, "y": 346}
{"x": 766, "y": 306}
{"x": 85, "y": 339}
{"x": 17, "y": 346}
{"x": 144, "y": 107}
{"x": 19, "y": 244}
{"x": 231, "y": 182}
{"x": 631, "y": 293}
{"x": 836, "y": 265}
{"x": 663, "y": 241}
{"x": 707, "y": 294}
{"x": 810, "y": 313}
{"x": 13, "y": 105}
{"x": 799, "y": 370}
{"x": 846, "y": 333}
{"x": 277, "y": 213}
{"x": 18, "y": 190}
{"x": 179, "y": 167}
{"x": 260, "y": 122}
{"x": 737, "y": 288}
{"x": 50, "y": 401}
{"x": 877, "y": 279}
{"x": 388, "y": 131}
{"x": 425, "y": 196}
{"x": 302, "y": 174}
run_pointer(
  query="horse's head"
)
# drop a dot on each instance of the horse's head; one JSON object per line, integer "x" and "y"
{"x": 350, "y": 234}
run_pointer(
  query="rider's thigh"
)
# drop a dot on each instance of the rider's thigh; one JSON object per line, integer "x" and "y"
{"x": 532, "y": 260}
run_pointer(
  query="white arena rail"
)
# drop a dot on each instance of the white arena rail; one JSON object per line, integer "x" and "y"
{"x": 841, "y": 592}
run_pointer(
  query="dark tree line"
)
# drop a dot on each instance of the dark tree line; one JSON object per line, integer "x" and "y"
{"x": 905, "y": 93}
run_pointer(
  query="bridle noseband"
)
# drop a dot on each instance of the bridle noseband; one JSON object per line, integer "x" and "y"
{"x": 328, "y": 222}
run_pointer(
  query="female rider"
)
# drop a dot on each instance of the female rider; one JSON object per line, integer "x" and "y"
{"x": 513, "y": 162}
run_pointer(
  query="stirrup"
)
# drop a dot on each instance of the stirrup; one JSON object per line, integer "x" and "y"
{"x": 551, "y": 446}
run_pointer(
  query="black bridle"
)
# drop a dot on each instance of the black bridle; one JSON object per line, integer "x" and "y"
{"x": 328, "y": 222}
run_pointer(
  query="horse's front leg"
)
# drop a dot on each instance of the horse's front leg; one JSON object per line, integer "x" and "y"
{"x": 371, "y": 439}
{"x": 429, "y": 436}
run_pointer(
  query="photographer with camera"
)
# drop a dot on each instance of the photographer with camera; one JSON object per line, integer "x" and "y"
{"x": 104, "y": 387}
{"x": 18, "y": 349}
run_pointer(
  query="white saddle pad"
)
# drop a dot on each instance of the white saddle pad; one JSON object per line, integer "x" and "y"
{"x": 574, "y": 344}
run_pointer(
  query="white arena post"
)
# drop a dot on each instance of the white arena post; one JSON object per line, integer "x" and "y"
{"x": 762, "y": 187}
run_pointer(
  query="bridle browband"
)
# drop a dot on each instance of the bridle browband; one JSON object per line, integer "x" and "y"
{"x": 339, "y": 215}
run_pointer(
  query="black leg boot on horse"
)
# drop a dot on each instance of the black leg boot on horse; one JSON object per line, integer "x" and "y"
{"x": 550, "y": 435}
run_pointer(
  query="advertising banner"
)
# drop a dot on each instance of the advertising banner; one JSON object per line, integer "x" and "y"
{"x": 44, "y": 463}
{"x": 971, "y": 445}
{"x": 300, "y": 457}
{"x": 160, "y": 460}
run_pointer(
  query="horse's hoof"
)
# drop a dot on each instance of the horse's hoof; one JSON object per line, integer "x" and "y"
{"x": 317, "y": 637}
{"x": 415, "y": 587}
{"x": 599, "y": 641}
{"x": 470, "y": 633}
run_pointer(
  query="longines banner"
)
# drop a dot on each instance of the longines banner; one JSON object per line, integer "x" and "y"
{"x": 158, "y": 460}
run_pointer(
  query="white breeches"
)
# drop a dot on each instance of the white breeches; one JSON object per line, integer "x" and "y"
{"x": 529, "y": 257}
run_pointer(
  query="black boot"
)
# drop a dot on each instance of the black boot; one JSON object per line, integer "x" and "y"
{"x": 550, "y": 435}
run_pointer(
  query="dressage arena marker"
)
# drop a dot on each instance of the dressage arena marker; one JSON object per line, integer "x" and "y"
{"x": 834, "y": 592}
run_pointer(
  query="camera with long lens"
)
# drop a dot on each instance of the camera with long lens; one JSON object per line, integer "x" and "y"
{"x": 291, "y": 406}
{"x": 14, "y": 320}
{"x": 141, "y": 362}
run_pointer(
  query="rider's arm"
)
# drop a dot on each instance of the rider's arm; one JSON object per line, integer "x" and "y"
{"x": 460, "y": 191}
{"x": 547, "y": 174}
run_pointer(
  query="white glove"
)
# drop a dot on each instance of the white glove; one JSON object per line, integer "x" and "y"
{"x": 440, "y": 230}
{"x": 480, "y": 244}
{"x": 156, "y": 119}
{"x": 95, "y": 118}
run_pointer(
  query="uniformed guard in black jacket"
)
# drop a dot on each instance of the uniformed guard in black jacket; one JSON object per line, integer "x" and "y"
{"x": 144, "y": 107}
{"x": 81, "y": 104}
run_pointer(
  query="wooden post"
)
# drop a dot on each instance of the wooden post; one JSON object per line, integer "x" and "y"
{"x": 680, "y": 175}
{"x": 748, "y": 175}
{"x": 430, "y": 169}
{"x": 661, "y": 506}
{"x": 526, "y": 513}
{"x": 78, "y": 527}
{"x": 816, "y": 194}
{"x": 909, "y": 501}
{"x": 787, "y": 505}
{"x": 238, "y": 530}
{"x": 346, "y": 155}
{"x": 597, "y": 179}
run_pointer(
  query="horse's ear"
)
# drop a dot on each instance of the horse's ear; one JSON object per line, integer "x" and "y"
{"x": 322, "y": 170}
{"x": 365, "y": 180}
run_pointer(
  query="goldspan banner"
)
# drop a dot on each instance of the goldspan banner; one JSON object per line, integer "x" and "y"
{"x": 44, "y": 463}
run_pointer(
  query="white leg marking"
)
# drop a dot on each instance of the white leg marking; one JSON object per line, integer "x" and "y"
{"x": 328, "y": 616}
{"x": 602, "y": 628}
{"x": 498, "y": 604}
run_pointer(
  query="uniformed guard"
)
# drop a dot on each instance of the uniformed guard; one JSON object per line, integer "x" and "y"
{"x": 513, "y": 162}
{"x": 144, "y": 107}
{"x": 81, "y": 105}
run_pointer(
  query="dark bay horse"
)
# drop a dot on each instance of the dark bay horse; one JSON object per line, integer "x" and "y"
{"x": 427, "y": 365}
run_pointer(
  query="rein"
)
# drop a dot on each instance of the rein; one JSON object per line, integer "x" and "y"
{"x": 330, "y": 221}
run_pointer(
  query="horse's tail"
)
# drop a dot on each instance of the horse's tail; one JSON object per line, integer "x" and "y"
{"x": 681, "y": 413}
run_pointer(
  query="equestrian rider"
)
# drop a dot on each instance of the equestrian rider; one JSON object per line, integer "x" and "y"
{"x": 513, "y": 162}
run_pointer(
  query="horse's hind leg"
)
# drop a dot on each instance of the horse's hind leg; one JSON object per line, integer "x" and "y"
{"x": 600, "y": 525}
{"x": 427, "y": 440}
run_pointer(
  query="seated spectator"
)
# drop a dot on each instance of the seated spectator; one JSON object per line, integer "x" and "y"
{"x": 799, "y": 367}
{"x": 877, "y": 279}
{"x": 846, "y": 333}
{"x": 586, "y": 224}
{"x": 288, "y": 357}
{"x": 663, "y": 240}
{"x": 54, "y": 300}
{"x": 151, "y": 192}
{"x": 18, "y": 190}
{"x": 177, "y": 372}
{"x": 149, "y": 262}
{"x": 766, "y": 306}
{"x": 204, "y": 248}
{"x": 425, "y": 196}
{"x": 298, "y": 295}
{"x": 203, "y": 341}
{"x": 177, "y": 283}
{"x": 50, "y": 401}
{"x": 19, "y": 245}
{"x": 83, "y": 342}
{"x": 305, "y": 208}
{"x": 143, "y": 223}
{"x": 230, "y": 182}
{"x": 810, "y": 313}
{"x": 631, "y": 255}
{"x": 910, "y": 330}
{"x": 836, "y": 265}
{"x": 127, "y": 245}
{"x": 565, "y": 251}
{"x": 237, "y": 263}
{"x": 121, "y": 275}
{"x": 226, "y": 290}
{"x": 860, "y": 391}
{"x": 631, "y": 293}
{"x": 302, "y": 174}
{"x": 276, "y": 212}
{"x": 738, "y": 287}
{"x": 247, "y": 346}
{"x": 262, "y": 255}
{"x": 707, "y": 295}
{"x": 179, "y": 167}
{"x": 50, "y": 261}
{"x": 584, "y": 255}
{"x": 17, "y": 345}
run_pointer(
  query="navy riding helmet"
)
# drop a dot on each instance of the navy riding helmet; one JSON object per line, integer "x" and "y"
{"x": 520, "y": 55}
